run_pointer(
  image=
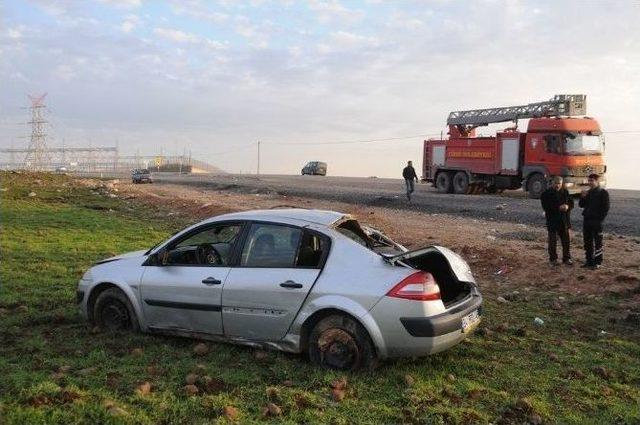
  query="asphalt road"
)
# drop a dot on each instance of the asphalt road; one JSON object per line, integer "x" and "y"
{"x": 513, "y": 206}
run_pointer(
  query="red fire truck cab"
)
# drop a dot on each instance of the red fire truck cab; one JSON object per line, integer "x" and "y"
{"x": 555, "y": 144}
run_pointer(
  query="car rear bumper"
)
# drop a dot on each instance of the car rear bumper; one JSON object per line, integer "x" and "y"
{"x": 442, "y": 324}
{"x": 410, "y": 328}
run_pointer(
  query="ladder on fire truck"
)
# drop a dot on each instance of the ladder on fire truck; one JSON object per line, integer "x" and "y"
{"x": 560, "y": 105}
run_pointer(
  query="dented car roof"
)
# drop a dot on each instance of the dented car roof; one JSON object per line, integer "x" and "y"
{"x": 322, "y": 217}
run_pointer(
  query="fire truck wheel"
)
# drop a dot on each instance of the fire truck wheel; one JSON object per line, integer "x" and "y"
{"x": 443, "y": 182}
{"x": 492, "y": 189}
{"x": 461, "y": 183}
{"x": 536, "y": 184}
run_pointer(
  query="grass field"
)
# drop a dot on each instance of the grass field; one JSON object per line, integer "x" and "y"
{"x": 54, "y": 368}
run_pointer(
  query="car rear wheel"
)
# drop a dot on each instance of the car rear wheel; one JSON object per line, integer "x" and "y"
{"x": 339, "y": 342}
{"x": 114, "y": 312}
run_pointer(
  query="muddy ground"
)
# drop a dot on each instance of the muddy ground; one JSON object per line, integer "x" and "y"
{"x": 508, "y": 259}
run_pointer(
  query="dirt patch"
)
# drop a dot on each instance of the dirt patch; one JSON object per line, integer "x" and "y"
{"x": 504, "y": 256}
{"x": 62, "y": 397}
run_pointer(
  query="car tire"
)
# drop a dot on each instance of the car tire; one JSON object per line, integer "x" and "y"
{"x": 461, "y": 183}
{"x": 536, "y": 184}
{"x": 443, "y": 182}
{"x": 113, "y": 311}
{"x": 339, "y": 342}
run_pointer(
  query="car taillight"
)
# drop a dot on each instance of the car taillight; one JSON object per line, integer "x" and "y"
{"x": 419, "y": 286}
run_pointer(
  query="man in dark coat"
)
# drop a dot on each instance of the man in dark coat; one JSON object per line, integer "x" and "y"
{"x": 409, "y": 174}
{"x": 557, "y": 205}
{"x": 595, "y": 204}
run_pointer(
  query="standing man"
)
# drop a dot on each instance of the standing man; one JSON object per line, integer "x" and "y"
{"x": 595, "y": 204}
{"x": 557, "y": 205}
{"x": 409, "y": 174}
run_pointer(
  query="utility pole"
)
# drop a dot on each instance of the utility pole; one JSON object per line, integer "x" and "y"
{"x": 116, "y": 154}
{"x": 12, "y": 159}
{"x": 258, "y": 173}
{"x": 181, "y": 160}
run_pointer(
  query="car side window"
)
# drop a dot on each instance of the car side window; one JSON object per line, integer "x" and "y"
{"x": 211, "y": 246}
{"x": 313, "y": 248}
{"x": 271, "y": 245}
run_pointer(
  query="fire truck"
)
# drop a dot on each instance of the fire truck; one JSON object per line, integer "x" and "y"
{"x": 560, "y": 141}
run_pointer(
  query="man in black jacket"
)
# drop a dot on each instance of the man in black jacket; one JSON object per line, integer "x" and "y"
{"x": 409, "y": 174}
{"x": 595, "y": 204}
{"x": 557, "y": 205}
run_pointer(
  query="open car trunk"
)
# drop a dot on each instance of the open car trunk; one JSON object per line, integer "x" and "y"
{"x": 450, "y": 271}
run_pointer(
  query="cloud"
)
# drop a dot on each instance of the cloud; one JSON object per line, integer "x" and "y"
{"x": 351, "y": 40}
{"x": 130, "y": 23}
{"x": 344, "y": 40}
{"x": 332, "y": 10}
{"x": 64, "y": 72}
{"x": 182, "y": 37}
{"x": 14, "y": 33}
{"x": 256, "y": 35}
{"x": 176, "y": 35}
{"x": 123, "y": 4}
{"x": 200, "y": 11}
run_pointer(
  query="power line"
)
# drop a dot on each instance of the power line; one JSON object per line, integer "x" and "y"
{"x": 238, "y": 149}
{"x": 344, "y": 142}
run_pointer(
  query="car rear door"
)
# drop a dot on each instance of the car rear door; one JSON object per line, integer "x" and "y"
{"x": 278, "y": 266}
{"x": 184, "y": 292}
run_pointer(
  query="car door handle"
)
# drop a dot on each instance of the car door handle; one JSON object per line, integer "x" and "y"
{"x": 291, "y": 284}
{"x": 211, "y": 281}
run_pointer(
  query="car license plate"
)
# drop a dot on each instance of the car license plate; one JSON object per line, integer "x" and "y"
{"x": 470, "y": 321}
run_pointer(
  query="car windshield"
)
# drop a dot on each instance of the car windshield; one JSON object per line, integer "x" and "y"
{"x": 583, "y": 144}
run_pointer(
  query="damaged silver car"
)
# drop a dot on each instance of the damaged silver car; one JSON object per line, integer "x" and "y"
{"x": 297, "y": 280}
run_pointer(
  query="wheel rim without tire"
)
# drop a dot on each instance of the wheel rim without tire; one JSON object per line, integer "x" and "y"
{"x": 115, "y": 316}
{"x": 338, "y": 349}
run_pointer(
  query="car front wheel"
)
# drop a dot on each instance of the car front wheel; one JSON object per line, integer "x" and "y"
{"x": 339, "y": 342}
{"x": 114, "y": 312}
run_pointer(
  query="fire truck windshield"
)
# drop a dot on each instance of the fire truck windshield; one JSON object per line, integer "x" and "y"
{"x": 583, "y": 144}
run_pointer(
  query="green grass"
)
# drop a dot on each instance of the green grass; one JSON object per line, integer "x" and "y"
{"x": 507, "y": 375}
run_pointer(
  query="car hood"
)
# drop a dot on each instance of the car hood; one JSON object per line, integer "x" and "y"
{"x": 132, "y": 254}
{"x": 458, "y": 266}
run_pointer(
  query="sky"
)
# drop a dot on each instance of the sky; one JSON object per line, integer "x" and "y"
{"x": 215, "y": 77}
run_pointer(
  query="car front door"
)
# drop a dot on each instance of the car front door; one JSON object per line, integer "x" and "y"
{"x": 277, "y": 268}
{"x": 183, "y": 289}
